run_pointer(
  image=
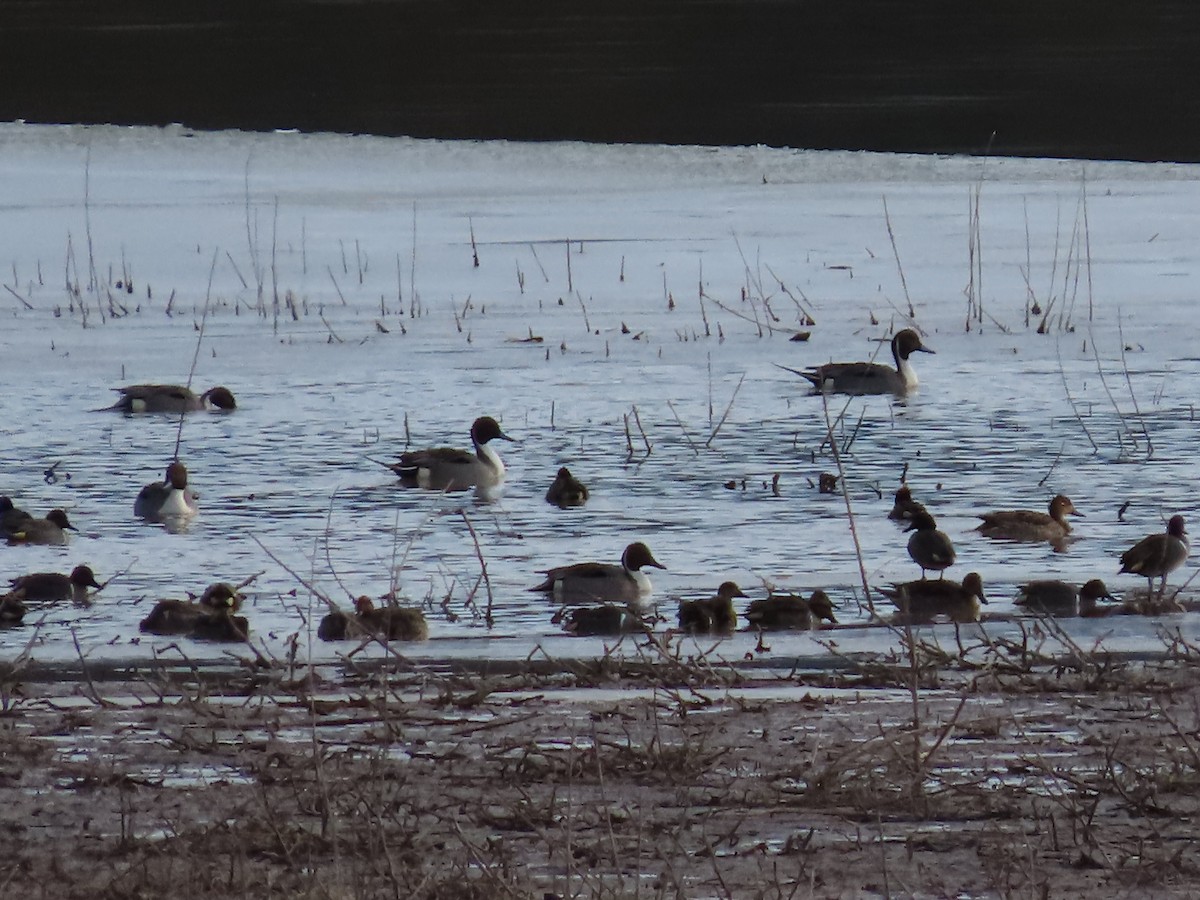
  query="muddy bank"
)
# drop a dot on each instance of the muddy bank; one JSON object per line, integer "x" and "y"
{"x": 1063, "y": 781}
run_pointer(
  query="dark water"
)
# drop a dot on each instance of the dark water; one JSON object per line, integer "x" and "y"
{"x": 1023, "y": 78}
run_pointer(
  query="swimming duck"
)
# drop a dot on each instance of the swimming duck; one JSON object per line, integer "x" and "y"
{"x": 171, "y": 398}
{"x": 608, "y": 619}
{"x": 866, "y": 377}
{"x": 923, "y": 601}
{"x": 1029, "y": 524}
{"x": 50, "y": 530}
{"x": 51, "y": 587}
{"x": 1062, "y": 600}
{"x": 591, "y": 582}
{"x": 392, "y": 623}
{"x": 167, "y": 499}
{"x": 905, "y": 507}
{"x": 784, "y": 612}
{"x": 1158, "y": 555}
{"x": 11, "y": 516}
{"x": 451, "y": 469}
{"x": 566, "y": 490}
{"x": 711, "y": 614}
{"x": 211, "y": 617}
{"x": 12, "y": 610}
{"x": 928, "y": 547}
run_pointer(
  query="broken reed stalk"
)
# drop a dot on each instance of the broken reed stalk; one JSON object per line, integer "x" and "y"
{"x": 837, "y": 458}
{"x": 1071, "y": 400}
{"x": 336, "y": 287}
{"x": 586, "y": 324}
{"x": 725, "y": 415}
{"x": 683, "y": 428}
{"x": 645, "y": 440}
{"x": 196, "y": 354}
{"x": 1132, "y": 396}
{"x": 896, "y": 255}
{"x": 487, "y": 582}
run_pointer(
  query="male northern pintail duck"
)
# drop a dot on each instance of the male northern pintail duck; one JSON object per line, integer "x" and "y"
{"x": 923, "y": 601}
{"x": 869, "y": 377}
{"x": 928, "y": 547}
{"x": 171, "y": 398}
{"x": 786, "y": 612}
{"x": 1062, "y": 600}
{"x": 167, "y": 499}
{"x": 391, "y": 623}
{"x": 12, "y": 609}
{"x": 451, "y": 469}
{"x": 591, "y": 582}
{"x": 211, "y": 618}
{"x": 607, "y": 619}
{"x": 566, "y": 490}
{"x": 905, "y": 507}
{"x": 50, "y": 530}
{"x": 1029, "y": 524}
{"x": 711, "y": 615}
{"x": 1158, "y": 555}
{"x": 51, "y": 587}
{"x": 11, "y": 516}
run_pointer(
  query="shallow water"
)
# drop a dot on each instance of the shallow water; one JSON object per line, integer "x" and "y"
{"x": 339, "y": 222}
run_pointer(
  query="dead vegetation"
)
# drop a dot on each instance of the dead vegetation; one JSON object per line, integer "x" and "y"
{"x": 1021, "y": 769}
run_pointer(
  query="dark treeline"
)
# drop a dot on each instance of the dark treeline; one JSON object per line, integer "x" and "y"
{"x": 1028, "y": 77}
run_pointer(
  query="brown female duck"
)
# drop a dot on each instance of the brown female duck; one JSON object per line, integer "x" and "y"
{"x": 711, "y": 615}
{"x": 785, "y": 612}
{"x": 1029, "y": 524}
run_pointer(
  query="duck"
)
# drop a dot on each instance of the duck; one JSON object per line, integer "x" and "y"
{"x": 606, "y": 619}
{"x": 928, "y": 547}
{"x": 566, "y": 490}
{"x": 213, "y": 615}
{"x": 711, "y": 615}
{"x": 392, "y": 623}
{"x": 167, "y": 499}
{"x": 51, "y": 587}
{"x": 50, "y": 530}
{"x": 860, "y": 378}
{"x": 923, "y": 601}
{"x": 1061, "y": 599}
{"x": 171, "y": 398}
{"x": 1029, "y": 524}
{"x": 905, "y": 507}
{"x": 11, "y": 516}
{"x": 591, "y": 582}
{"x": 1158, "y": 555}
{"x": 784, "y": 612}
{"x": 451, "y": 469}
{"x": 12, "y": 609}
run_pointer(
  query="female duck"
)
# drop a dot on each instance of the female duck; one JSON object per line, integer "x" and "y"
{"x": 923, "y": 601}
{"x": 51, "y": 587}
{"x": 788, "y": 612}
{"x": 862, "y": 378}
{"x": 392, "y": 623}
{"x": 451, "y": 469}
{"x": 212, "y": 617}
{"x": 711, "y": 615}
{"x": 167, "y": 499}
{"x": 905, "y": 507}
{"x": 592, "y": 582}
{"x": 1029, "y": 524}
{"x": 928, "y": 547}
{"x": 607, "y": 619}
{"x": 1062, "y": 600}
{"x": 50, "y": 530}
{"x": 1158, "y": 555}
{"x": 566, "y": 490}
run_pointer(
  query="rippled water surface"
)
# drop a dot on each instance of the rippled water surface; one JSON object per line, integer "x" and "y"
{"x": 663, "y": 285}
